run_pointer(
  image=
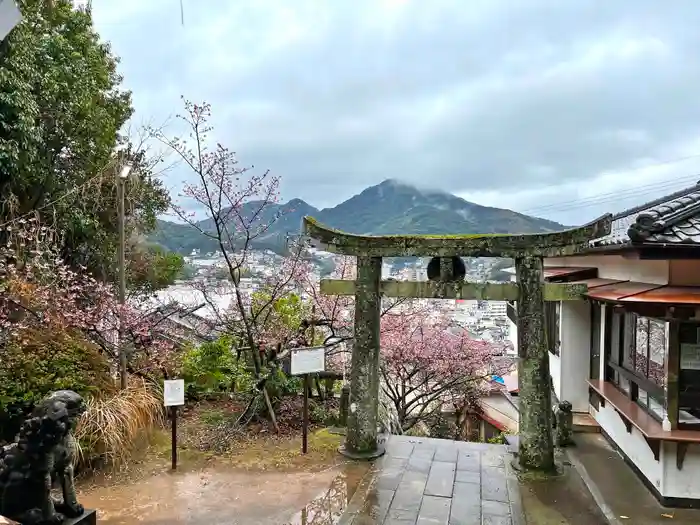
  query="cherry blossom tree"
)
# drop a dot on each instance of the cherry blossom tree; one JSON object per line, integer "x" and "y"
{"x": 428, "y": 362}
{"x": 41, "y": 293}
{"x": 239, "y": 207}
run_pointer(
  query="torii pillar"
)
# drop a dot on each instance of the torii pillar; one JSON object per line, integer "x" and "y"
{"x": 530, "y": 293}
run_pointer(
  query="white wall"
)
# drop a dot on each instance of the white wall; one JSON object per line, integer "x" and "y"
{"x": 618, "y": 267}
{"x": 632, "y": 444}
{"x": 555, "y": 372}
{"x": 683, "y": 483}
{"x": 575, "y": 352}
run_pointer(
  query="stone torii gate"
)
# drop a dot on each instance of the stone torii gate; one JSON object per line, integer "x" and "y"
{"x": 529, "y": 292}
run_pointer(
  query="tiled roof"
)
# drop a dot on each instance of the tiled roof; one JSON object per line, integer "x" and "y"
{"x": 672, "y": 219}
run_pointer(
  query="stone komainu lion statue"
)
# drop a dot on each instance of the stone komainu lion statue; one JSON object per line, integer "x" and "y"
{"x": 41, "y": 455}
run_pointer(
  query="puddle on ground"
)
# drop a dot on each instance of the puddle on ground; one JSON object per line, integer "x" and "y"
{"x": 229, "y": 497}
{"x": 561, "y": 500}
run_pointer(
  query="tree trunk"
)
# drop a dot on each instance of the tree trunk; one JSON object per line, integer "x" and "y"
{"x": 319, "y": 388}
{"x": 535, "y": 433}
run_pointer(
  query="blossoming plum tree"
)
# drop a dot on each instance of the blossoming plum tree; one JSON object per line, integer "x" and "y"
{"x": 40, "y": 294}
{"x": 239, "y": 207}
{"x": 427, "y": 362}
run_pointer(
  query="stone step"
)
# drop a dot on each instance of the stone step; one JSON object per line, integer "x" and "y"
{"x": 585, "y": 423}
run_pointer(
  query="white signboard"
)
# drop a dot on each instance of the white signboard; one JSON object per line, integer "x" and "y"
{"x": 690, "y": 356}
{"x": 308, "y": 360}
{"x": 174, "y": 392}
{"x": 9, "y": 17}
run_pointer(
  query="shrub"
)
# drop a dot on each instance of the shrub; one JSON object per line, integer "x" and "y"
{"x": 109, "y": 430}
{"x": 211, "y": 367}
{"x": 327, "y": 416}
{"x": 280, "y": 385}
{"x": 40, "y": 360}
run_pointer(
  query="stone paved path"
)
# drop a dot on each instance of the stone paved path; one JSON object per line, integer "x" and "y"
{"x": 424, "y": 481}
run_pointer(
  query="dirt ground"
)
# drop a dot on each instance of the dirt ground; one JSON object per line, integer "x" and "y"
{"x": 228, "y": 495}
{"x": 226, "y": 476}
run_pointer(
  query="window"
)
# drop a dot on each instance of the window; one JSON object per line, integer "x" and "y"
{"x": 637, "y": 359}
{"x": 649, "y": 358}
{"x": 551, "y": 323}
{"x": 689, "y": 376}
{"x": 596, "y": 319}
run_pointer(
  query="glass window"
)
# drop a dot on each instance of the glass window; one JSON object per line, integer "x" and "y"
{"x": 658, "y": 351}
{"x": 689, "y": 376}
{"x": 648, "y": 358}
{"x": 638, "y": 359}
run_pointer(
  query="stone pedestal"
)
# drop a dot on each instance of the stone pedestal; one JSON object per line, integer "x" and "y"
{"x": 89, "y": 517}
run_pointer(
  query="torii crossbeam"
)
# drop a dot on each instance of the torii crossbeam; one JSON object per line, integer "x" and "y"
{"x": 529, "y": 291}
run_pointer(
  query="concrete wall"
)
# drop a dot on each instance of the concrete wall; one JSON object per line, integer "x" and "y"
{"x": 575, "y": 330}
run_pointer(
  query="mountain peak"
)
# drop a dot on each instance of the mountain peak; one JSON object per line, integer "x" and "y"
{"x": 395, "y": 184}
{"x": 390, "y": 207}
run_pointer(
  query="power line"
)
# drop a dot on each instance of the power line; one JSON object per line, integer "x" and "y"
{"x": 58, "y": 199}
{"x": 603, "y": 198}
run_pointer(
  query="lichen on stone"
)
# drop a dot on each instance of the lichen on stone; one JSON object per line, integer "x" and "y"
{"x": 567, "y": 242}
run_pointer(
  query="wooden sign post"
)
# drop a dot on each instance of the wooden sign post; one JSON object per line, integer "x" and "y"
{"x": 173, "y": 397}
{"x": 307, "y": 361}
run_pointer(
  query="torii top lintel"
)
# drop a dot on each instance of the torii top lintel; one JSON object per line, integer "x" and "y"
{"x": 561, "y": 243}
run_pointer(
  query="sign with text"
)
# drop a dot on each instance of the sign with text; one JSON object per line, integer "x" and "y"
{"x": 308, "y": 360}
{"x": 174, "y": 392}
{"x": 690, "y": 356}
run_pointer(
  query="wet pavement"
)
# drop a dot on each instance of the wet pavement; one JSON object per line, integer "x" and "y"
{"x": 422, "y": 481}
{"x": 229, "y": 497}
{"x": 562, "y": 499}
{"x": 621, "y": 493}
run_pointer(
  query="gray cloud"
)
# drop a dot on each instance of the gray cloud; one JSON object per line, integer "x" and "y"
{"x": 516, "y": 103}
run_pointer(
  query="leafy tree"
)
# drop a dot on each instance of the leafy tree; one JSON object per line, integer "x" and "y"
{"x": 212, "y": 367}
{"x": 151, "y": 268}
{"x": 61, "y": 109}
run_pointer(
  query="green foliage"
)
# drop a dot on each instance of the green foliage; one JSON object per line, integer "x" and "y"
{"x": 151, "y": 268}
{"x": 61, "y": 109}
{"x": 499, "y": 439}
{"x": 188, "y": 272}
{"x": 282, "y": 317}
{"x": 225, "y": 274}
{"x": 42, "y": 361}
{"x": 212, "y": 367}
{"x": 443, "y": 427}
{"x": 280, "y": 385}
{"x": 323, "y": 415}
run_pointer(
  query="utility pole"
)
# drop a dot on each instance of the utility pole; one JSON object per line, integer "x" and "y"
{"x": 123, "y": 174}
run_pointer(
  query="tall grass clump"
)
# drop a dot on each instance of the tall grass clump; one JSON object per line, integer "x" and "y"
{"x": 114, "y": 425}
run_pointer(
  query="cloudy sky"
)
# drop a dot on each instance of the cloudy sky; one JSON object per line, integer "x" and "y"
{"x": 562, "y": 109}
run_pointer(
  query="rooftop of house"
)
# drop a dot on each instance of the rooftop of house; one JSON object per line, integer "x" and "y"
{"x": 672, "y": 219}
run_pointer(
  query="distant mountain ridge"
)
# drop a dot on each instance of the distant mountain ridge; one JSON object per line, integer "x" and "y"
{"x": 388, "y": 208}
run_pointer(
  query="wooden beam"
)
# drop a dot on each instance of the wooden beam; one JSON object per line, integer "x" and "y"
{"x": 438, "y": 290}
